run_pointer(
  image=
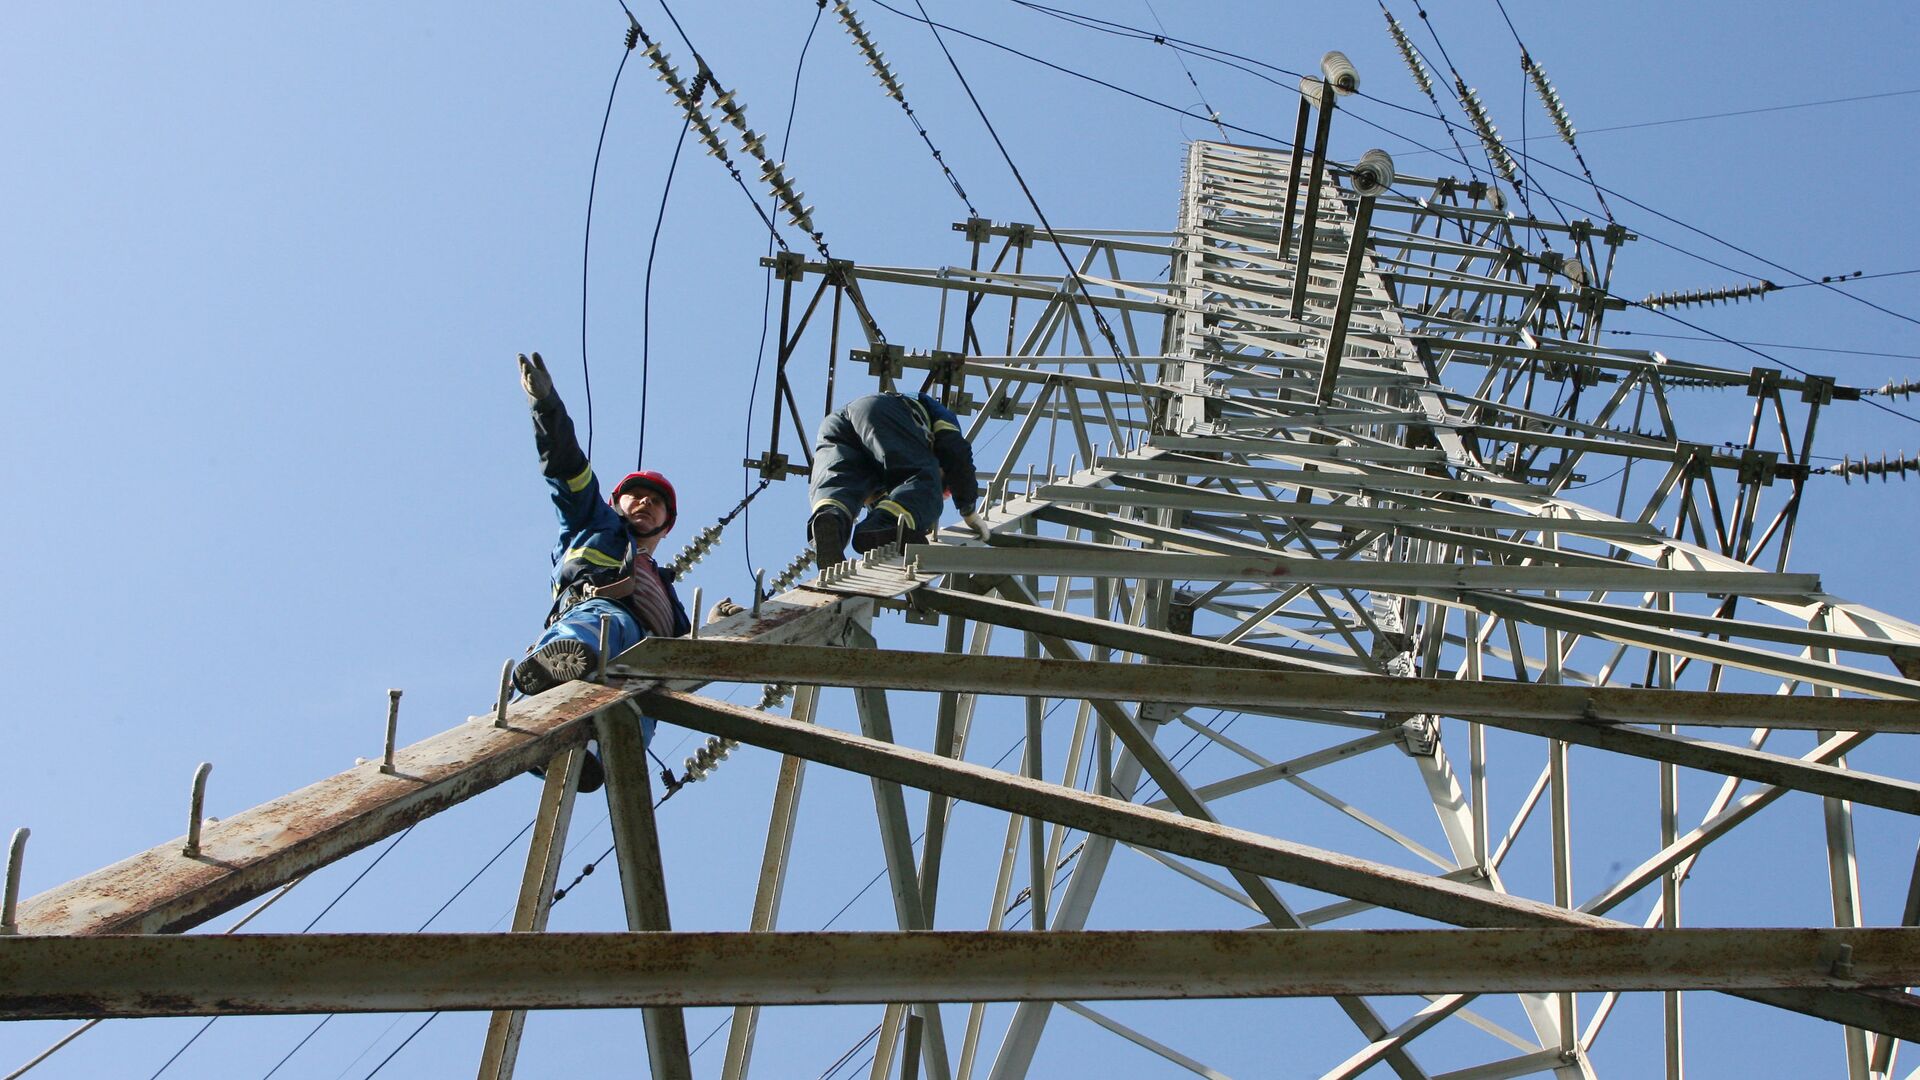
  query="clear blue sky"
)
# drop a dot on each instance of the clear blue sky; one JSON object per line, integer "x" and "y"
{"x": 266, "y": 267}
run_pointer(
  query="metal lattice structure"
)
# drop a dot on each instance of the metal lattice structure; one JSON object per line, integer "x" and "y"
{"x": 1328, "y": 472}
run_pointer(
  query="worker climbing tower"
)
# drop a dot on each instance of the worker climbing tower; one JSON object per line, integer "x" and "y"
{"x": 1342, "y": 583}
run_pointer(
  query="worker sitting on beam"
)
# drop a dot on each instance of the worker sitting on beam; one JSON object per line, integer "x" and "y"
{"x": 604, "y": 574}
{"x": 896, "y": 453}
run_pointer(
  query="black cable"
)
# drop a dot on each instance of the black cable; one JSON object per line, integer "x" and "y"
{"x": 766, "y": 296}
{"x": 646, "y": 289}
{"x": 1136, "y": 95}
{"x": 402, "y": 1046}
{"x": 311, "y": 923}
{"x": 586, "y": 240}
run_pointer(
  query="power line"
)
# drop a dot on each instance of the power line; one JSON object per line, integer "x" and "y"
{"x": 1213, "y": 53}
{"x": 1160, "y": 39}
{"x": 1768, "y": 344}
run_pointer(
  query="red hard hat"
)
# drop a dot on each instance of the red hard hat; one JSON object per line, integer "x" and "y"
{"x": 647, "y": 478}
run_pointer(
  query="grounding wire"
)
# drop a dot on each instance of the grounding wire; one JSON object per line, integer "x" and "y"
{"x": 646, "y": 288}
{"x": 766, "y": 295}
{"x": 586, "y": 239}
{"x": 1099, "y": 319}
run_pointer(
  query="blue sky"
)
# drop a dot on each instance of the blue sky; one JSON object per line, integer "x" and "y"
{"x": 266, "y": 269}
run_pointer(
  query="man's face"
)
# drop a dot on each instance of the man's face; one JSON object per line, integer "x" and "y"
{"x": 644, "y": 508}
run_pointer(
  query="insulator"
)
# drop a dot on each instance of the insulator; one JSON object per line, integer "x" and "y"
{"x": 773, "y": 695}
{"x": 1549, "y": 98}
{"x": 633, "y": 35}
{"x": 1489, "y": 135}
{"x": 696, "y": 549}
{"x": 1896, "y": 389}
{"x": 1340, "y": 72}
{"x": 791, "y": 575}
{"x": 1408, "y": 54}
{"x": 1727, "y": 295}
{"x": 1575, "y": 271}
{"x": 1310, "y": 89}
{"x": 1373, "y": 175}
{"x": 1496, "y": 198}
{"x": 1895, "y": 467}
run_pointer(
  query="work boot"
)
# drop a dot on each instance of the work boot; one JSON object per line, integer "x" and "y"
{"x": 561, "y": 660}
{"x": 829, "y": 531}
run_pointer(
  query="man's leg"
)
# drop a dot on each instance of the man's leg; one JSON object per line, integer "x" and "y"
{"x": 570, "y": 648}
{"x": 843, "y": 472}
{"x": 909, "y": 473}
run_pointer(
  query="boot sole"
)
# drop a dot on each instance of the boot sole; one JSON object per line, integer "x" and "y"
{"x": 559, "y": 661}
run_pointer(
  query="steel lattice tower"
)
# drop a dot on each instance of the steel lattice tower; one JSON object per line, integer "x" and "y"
{"x": 1316, "y": 457}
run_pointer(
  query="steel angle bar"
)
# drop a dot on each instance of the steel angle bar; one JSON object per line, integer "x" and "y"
{"x": 1145, "y": 494}
{"x": 1389, "y": 577}
{"x": 501, "y": 1050}
{"x": 1299, "y": 450}
{"x": 1733, "y": 654}
{"x": 1144, "y": 1042}
{"x": 1346, "y": 477}
{"x": 1601, "y": 709}
{"x": 643, "y": 884}
{"x": 260, "y": 974}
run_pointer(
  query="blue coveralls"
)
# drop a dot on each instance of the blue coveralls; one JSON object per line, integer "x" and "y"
{"x": 899, "y": 450}
{"x": 595, "y": 547}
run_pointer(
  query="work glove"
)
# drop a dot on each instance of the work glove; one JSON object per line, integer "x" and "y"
{"x": 534, "y": 378}
{"x": 977, "y": 524}
{"x": 726, "y": 608}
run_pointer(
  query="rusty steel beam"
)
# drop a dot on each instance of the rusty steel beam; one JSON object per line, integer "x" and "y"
{"x": 259, "y": 849}
{"x": 205, "y": 975}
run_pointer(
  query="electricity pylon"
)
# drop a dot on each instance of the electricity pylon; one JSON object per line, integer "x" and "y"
{"x": 1313, "y": 457}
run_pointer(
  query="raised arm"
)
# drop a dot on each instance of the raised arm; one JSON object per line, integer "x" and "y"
{"x": 576, "y": 494}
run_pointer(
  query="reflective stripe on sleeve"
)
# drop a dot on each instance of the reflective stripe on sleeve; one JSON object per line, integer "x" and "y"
{"x": 580, "y": 482}
{"x": 592, "y": 555}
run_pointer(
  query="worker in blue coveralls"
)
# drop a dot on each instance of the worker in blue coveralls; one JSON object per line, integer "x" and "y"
{"x": 895, "y": 453}
{"x": 603, "y": 563}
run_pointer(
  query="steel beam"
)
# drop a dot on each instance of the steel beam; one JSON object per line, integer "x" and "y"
{"x": 208, "y": 975}
{"x": 1596, "y": 707}
{"x": 1235, "y": 849}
